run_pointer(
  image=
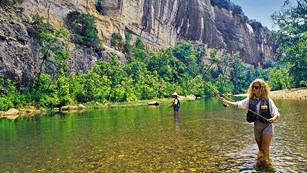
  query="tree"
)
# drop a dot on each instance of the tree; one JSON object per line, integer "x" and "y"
{"x": 53, "y": 47}
{"x": 117, "y": 41}
{"x": 127, "y": 46}
{"x": 279, "y": 78}
{"x": 292, "y": 39}
{"x": 236, "y": 9}
{"x": 185, "y": 52}
{"x": 238, "y": 74}
{"x": 139, "y": 43}
{"x": 84, "y": 28}
{"x": 222, "y": 3}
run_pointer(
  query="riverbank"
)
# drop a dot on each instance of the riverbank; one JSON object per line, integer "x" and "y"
{"x": 30, "y": 111}
{"x": 290, "y": 94}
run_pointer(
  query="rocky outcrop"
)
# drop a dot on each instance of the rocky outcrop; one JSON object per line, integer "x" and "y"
{"x": 160, "y": 23}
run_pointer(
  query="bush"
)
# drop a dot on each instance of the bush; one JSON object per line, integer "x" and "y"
{"x": 84, "y": 28}
{"x": 236, "y": 9}
{"x": 40, "y": 25}
{"x": 255, "y": 24}
{"x": 222, "y": 3}
{"x": 5, "y": 3}
{"x": 117, "y": 41}
{"x": 5, "y": 103}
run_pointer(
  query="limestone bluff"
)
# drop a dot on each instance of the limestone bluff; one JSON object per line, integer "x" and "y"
{"x": 160, "y": 23}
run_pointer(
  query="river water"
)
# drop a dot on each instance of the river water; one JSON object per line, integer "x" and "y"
{"x": 208, "y": 138}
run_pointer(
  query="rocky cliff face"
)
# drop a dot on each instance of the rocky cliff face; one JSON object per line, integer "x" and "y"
{"x": 160, "y": 23}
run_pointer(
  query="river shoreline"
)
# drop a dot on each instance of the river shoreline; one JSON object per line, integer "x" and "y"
{"x": 290, "y": 94}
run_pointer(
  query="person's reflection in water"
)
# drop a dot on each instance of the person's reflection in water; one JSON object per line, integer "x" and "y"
{"x": 177, "y": 121}
{"x": 176, "y": 106}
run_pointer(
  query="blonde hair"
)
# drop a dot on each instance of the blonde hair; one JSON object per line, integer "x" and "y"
{"x": 264, "y": 89}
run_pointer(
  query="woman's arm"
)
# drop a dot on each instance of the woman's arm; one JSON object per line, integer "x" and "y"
{"x": 274, "y": 112}
{"x": 238, "y": 104}
{"x": 227, "y": 102}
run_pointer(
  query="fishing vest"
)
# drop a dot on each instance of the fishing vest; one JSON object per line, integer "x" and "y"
{"x": 264, "y": 110}
{"x": 178, "y": 103}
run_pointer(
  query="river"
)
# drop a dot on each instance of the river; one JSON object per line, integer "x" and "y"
{"x": 208, "y": 138}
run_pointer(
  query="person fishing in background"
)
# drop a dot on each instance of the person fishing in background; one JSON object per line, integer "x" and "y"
{"x": 176, "y": 106}
{"x": 262, "y": 112}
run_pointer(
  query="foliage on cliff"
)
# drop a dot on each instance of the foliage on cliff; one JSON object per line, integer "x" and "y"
{"x": 84, "y": 28}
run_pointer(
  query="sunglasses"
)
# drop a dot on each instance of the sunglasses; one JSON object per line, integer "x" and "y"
{"x": 256, "y": 87}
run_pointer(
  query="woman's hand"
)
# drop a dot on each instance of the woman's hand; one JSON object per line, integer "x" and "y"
{"x": 272, "y": 120}
{"x": 228, "y": 103}
{"x": 224, "y": 101}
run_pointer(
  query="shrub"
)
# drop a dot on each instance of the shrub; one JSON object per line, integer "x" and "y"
{"x": 84, "y": 28}
{"x": 117, "y": 41}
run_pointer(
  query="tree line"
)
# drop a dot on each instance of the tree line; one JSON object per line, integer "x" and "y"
{"x": 186, "y": 68}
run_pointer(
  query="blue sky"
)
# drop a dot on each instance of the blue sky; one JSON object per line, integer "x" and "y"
{"x": 261, "y": 10}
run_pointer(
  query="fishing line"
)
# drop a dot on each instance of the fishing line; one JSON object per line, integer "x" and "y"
{"x": 217, "y": 93}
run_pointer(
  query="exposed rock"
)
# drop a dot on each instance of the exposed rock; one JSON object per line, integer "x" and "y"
{"x": 160, "y": 23}
{"x": 11, "y": 111}
{"x": 290, "y": 94}
{"x": 81, "y": 106}
{"x": 191, "y": 97}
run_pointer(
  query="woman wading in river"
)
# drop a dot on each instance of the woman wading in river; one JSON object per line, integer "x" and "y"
{"x": 262, "y": 112}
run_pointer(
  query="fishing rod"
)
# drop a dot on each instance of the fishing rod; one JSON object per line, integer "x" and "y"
{"x": 226, "y": 105}
{"x": 217, "y": 93}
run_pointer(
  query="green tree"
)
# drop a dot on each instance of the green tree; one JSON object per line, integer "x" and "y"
{"x": 9, "y": 97}
{"x": 139, "y": 43}
{"x": 164, "y": 63}
{"x": 117, "y": 41}
{"x": 62, "y": 91}
{"x": 53, "y": 47}
{"x": 40, "y": 25}
{"x": 291, "y": 37}
{"x": 279, "y": 78}
{"x": 238, "y": 74}
{"x": 111, "y": 75}
{"x": 223, "y": 84}
{"x": 128, "y": 40}
{"x": 186, "y": 54}
{"x": 42, "y": 93}
{"x": 84, "y": 28}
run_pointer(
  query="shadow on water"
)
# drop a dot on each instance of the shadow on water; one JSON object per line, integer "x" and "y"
{"x": 205, "y": 138}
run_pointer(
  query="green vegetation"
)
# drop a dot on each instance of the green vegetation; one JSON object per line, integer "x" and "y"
{"x": 236, "y": 9}
{"x": 84, "y": 29}
{"x": 148, "y": 75}
{"x": 5, "y": 3}
{"x": 292, "y": 39}
{"x": 40, "y": 25}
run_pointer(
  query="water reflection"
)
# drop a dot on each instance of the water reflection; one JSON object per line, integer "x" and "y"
{"x": 205, "y": 138}
{"x": 177, "y": 121}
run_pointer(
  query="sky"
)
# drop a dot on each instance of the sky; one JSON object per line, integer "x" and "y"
{"x": 261, "y": 10}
